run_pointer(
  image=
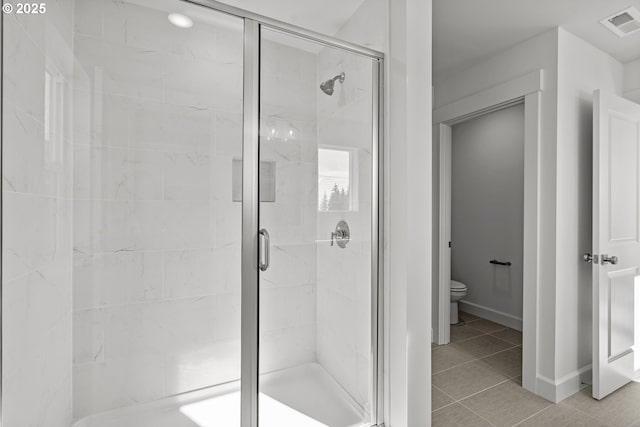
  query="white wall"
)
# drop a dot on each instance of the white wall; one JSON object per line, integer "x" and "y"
{"x": 36, "y": 214}
{"x": 419, "y": 93}
{"x": 487, "y": 209}
{"x": 540, "y": 52}
{"x": 631, "y": 85}
{"x": 582, "y": 68}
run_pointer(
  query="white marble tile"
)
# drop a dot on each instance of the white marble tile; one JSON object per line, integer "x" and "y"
{"x": 296, "y": 181}
{"x": 227, "y": 316}
{"x": 135, "y": 330}
{"x": 291, "y": 265}
{"x": 34, "y": 237}
{"x": 189, "y": 323}
{"x": 153, "y": 225}
{"x": 88, "y": 336}
{"x": 51, "y": 31}
{"x": 23, "y": 70}
{"x": 110, "y": 173}
{"x": 117, "y": 69}
{"x": 285, "y": 219}
{"x": 117, "y": 278}
{"x": 222, "y": 181}
{"x": 88, "y": 17}
{"x": 37, "y": 347}
{"x": 111, "y": 115}
{"x": 30, "y": 168}
{"x": 199, "y": 272}
{"x": 116, "y": 383}
{"x": 147, "y": 27}
{"x": 215, "y": 363}
{"x": 228, "y": 221}
{"x": 188, "y": 224}
{"x": 146, "y": 179}
{"x": 226, "y": 264}
{"x": 87, "y": 226}
{"x": 177, "y": 128}
{"x": 279, "y": 308}
{"x": 228, "y": 133}
{"x": 187, "y": 176}
{"x": 130, "y": 226}
{"x": 281, "y": 349}
{"x": 189, "y": 82}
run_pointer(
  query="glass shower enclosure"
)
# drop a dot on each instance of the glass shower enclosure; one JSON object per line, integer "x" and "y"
{"x": 210, "y": 180}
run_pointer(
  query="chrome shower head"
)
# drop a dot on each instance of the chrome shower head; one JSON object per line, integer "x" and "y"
{"x": 328, "y": 86}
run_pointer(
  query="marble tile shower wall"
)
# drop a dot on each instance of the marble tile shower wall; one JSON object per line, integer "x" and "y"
{"x": 289, "y": 138}
{"x": 156, "y": 232}
{"x": 156, "y": 292}
{"x": 37, "y": 236}
{"x": 344, "y": 275}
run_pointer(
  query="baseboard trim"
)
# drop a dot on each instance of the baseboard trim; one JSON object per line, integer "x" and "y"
{"x": 557, "y": 391}
{"x": 496, "y": 316}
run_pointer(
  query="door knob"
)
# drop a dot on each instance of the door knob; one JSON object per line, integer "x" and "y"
{"x": 606, "y": 259}
{"x": 588, "y": 258}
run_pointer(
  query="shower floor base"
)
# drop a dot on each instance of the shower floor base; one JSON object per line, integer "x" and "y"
{"x": 304, "y": 396}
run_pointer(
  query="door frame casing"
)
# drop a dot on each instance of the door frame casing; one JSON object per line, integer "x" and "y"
{"x": 526, "y": 89}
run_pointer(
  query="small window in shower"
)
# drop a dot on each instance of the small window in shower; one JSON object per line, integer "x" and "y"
{"x": 335, "y": 179}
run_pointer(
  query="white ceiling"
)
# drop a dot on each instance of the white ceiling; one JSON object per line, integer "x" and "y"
{"x": 468, "y": 30}
{"x": 323, "y": 16}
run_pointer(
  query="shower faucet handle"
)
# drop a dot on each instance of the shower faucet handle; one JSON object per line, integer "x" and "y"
{"x": 341, "y": 235}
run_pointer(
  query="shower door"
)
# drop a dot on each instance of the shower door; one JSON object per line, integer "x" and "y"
{"x": 318, "y": 241}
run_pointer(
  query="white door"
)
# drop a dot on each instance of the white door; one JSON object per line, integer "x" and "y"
{"x": 616, "y": 239}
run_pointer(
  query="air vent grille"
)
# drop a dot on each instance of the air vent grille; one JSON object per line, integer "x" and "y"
{"x": 623, "y": 23}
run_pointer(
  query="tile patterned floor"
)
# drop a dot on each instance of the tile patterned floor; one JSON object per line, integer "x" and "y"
{"x": 477, "y": 382}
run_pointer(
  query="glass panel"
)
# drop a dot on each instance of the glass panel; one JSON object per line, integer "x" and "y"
{"x": 315, "y": 297}
{"x": 157, "y": 232}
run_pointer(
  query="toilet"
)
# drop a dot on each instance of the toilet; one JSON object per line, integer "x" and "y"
{"x": 458, "y": 291}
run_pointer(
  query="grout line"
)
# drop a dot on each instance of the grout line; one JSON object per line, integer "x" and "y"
{"x": 483, "y": 390}
{"x": 453, "y": 402}
{"x": 551, "y": 405}
{"x": 481, "y": 417}
{"x": 476, "y": 359}
{"x": 589, "y": 415}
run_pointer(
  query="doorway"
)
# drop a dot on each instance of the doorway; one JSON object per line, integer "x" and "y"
{"x": 486, "y": 190}
{"x": 526, "y": 91}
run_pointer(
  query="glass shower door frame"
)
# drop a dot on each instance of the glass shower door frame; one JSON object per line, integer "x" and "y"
{"x": 250, "y": 220}
{"x": 251, "y": 203}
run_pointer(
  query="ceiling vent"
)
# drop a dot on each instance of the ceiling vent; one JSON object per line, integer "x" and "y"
{"x": 623, "y": 23}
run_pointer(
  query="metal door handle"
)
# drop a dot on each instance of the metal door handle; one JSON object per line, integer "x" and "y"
{"x": 341, "y": 235}
{"x": 606, "y": 259}
{"x": 266, "y": 252}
